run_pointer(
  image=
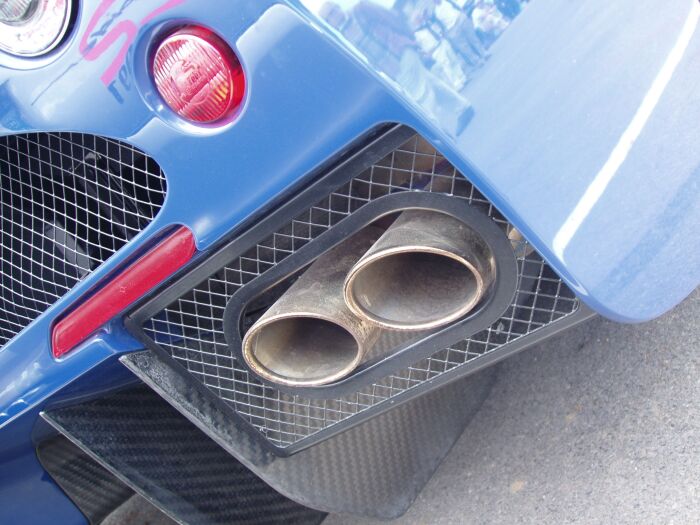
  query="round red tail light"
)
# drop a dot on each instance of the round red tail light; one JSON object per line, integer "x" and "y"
{"x": 198, "y": 75}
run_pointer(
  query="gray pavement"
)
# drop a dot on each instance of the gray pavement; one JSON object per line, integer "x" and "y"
{"x": 598, "y": 425}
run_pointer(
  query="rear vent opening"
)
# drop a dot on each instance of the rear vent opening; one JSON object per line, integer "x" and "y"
{"x": 190, "y": 327}
{"x": 68, "y": 201}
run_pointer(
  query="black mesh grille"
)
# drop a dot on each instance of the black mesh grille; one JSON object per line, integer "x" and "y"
{"x": 190, "y": 329}
{"x": 67, "y": 202}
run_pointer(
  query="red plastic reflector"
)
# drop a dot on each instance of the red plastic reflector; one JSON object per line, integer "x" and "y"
{"x": 198, "y": 75}
{"x": 142, "y": 276}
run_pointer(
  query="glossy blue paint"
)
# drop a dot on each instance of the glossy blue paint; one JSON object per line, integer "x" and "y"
{"x": 27, "y": 492}
{"x": 288, "y": 100}
{"x": 31, "y": 380}
{"x": 553, "y": 99}
{"x": 530, "y": 106}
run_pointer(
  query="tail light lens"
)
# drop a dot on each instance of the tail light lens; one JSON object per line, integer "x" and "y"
{"x": 14, "y": 10}
{"x": 198, "y": 75}
{"x": 32, "y": 27}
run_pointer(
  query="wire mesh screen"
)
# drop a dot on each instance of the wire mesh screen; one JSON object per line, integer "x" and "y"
{"x": 191, "y": 328}
{"x": 67, "y": 202}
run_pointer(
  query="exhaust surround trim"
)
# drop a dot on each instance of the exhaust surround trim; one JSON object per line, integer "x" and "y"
{"x": 400, "y": 349}
{"x": 442, "y": 269}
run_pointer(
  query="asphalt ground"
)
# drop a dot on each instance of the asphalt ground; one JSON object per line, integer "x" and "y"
{"x": 600, "y": 424}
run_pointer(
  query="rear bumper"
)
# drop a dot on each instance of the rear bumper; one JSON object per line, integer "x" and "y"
{"x": 545, "y": 117}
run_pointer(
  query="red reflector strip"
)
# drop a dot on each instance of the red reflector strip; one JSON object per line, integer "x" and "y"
{"x": 133, "y": 283}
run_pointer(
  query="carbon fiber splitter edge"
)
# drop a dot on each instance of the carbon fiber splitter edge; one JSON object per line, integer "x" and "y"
{"x": 93, "y": 489}
{"x": 150, "y": 447}
{"x": 373, "y": 470}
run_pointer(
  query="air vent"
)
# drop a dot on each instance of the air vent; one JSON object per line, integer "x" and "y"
{"x": 187, "y": 321}
{"x": 68, "y": 201}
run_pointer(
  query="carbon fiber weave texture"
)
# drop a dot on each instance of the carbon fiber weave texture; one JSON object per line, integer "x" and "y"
{"x": 174, "y": 465}
{"x": 374, "y": 469}
{"x": 93, "y": 489}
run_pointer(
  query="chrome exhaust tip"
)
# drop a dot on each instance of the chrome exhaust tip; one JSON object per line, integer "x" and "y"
{"x": 309, "y": 337}
{"x": 428, "y": 269}
{"x": 297, "y": 350}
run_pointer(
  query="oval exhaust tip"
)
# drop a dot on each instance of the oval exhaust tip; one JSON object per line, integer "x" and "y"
{"x": 427, "y": 270}
{"x": 301, "y": 350}
{"x": 309, "y": 336}
{"x": 414, "y": 289}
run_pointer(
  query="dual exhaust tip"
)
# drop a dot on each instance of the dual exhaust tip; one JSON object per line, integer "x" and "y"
{"x": 426, "y": 270}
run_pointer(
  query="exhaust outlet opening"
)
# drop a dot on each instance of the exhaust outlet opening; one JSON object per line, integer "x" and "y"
{"x": 302, "y": 350}
{"x": 309, "y": 336}
{"x": 408, "y": 271}
{"x": 416, "y": 289}
{"x": 427, "y": 270}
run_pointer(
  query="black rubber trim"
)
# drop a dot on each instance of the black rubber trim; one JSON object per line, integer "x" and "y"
{"x": 496, "y": 301}
{"x": 378, "y": 145}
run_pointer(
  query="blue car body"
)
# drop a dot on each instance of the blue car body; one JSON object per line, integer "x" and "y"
{"x": 578, "y": 120}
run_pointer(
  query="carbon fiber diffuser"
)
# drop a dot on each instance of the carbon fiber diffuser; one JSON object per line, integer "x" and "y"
{"x": 375, "y": 469}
